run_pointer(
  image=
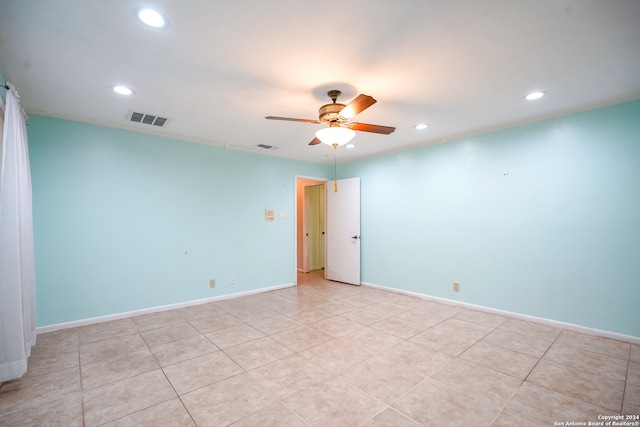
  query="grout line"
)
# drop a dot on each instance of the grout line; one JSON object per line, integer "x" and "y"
{"x": 626, "y": 380}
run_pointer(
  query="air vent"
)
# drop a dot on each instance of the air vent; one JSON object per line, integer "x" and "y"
{"x": 266, "y": 147}
{"x": 148, "y": 119}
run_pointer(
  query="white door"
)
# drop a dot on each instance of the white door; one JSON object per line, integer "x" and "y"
{"x": 343, "y": 231}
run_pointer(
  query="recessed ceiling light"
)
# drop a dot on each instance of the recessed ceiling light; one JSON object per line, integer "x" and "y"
{"x": 535, "y": 95}
{"x": 350, "y": 145}
{"x": 421, "y": 126}
{"x": 122, "y": 90}
{"x": 152, "y": 18}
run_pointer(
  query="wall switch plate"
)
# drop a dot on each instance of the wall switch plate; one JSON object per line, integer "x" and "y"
{"x": 456, "y": 286}
{"x": 269, "y": 215}
{"x": 212, "y": 283}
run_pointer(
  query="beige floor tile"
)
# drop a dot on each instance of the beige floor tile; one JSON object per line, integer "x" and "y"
{"x": 111, "y": 347}
{"x": 421, "y": 359}
{"x": 371, "y": 340}
{"x": 509, "y": 362}
{"x": 290, "y": 375}
{"x": 365, "y": 316}
{"x": 276, "y": 415}
{"x": 334, "y": 403}
{"x": 517, "y": 342}
{"x": 484, "y": 384}
{"x": 258, "y": 352}
{"x": 65, "y": 339}
{"x": 39, "y": 390}
{"x": 181, "y": 350}
{"x": 336, "y": 326}
{"x": 391, "y": 418}
{"x": 531, "y": 329}
{"x": 125, "y": 397}
{"x": 201, "y": 371}
{"x": 66, "y": 412}
{"x": 399, "y": 327}
{"x": 273, "y": 325}
{"x": 170, "y": 413}
{"x": 199, "y": 311}
{"x": 44, "y": 360}
{"x": 301, "y": 338}
{"x": 631, "y": 403}
{"x": 106, "y": 371}
{"x": 364, "y": 299}
{"x": 336, "y": 306}
{"x": 633, "y": 375}
{"x": 635, "y": 353}
{"x": 605, "y": 346}
{"x": 577, "y": 383}
{"x": 405, "y": 300}
{"x": 285, "y": 306}
{"x": 307, "y": 314}
{"x": 101, "y": 331}
{"x": 481, "y": 318}
{"x": 543, "y": 407}
{"x": 252, "y": 314}
{"x": 174, "y": 332}
{"x": 227, "y": 401}
{"x": 336, "y": 356}
{"x": 595, "y": 363}
{"x": 424, "y": 317}
{"x": 382, "y": 378}
{"x": 388, "y": 307}
{"x": 214, "y": 323}
{"x": 507, "y": 420}
{"x": 234, "y": 335}
{"x": 434, "y": 404}
{"x": 157, "y": 320}
{"x": 445, "y": 340}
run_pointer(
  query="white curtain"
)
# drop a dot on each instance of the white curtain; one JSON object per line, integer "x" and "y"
{"x": 17, "y": 270}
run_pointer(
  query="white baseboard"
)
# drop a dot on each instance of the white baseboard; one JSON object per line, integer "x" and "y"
{"x": 118, "y": 316}
{"x": 540, "y": 320}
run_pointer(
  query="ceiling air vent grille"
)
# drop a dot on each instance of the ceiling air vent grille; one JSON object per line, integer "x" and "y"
{"x": 266, "y": 147}
{"x": 148, "y": 119}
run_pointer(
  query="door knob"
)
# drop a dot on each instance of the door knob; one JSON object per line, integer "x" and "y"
{"x": 355, "y": 237}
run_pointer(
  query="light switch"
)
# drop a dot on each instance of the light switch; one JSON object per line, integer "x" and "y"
{"x": 269, "y": 215}
{"x": 282, "y": 214}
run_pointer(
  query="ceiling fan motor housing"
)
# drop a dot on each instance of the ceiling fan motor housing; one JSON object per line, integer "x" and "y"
{"x": 329, "y": 113}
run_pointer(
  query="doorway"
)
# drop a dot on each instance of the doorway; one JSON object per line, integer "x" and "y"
{"x": 310, "y": 224}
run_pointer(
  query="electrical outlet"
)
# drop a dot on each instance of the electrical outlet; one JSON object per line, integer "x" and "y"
{"x": 456, "y": 286}
{"x": 233, "y": 280}
{"x": 212, "y": 283}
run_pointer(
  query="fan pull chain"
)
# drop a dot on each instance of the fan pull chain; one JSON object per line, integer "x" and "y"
{"x": 335, "y": 156}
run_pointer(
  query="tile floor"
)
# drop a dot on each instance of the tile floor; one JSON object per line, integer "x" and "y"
{"x": 322, "y": 354}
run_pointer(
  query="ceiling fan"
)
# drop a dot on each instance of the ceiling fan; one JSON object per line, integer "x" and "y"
{"x": 338, "y": 116}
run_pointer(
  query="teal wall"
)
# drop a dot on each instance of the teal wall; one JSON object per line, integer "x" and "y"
{"x": 558, "y": 237}
{"x": 115, "y": 211}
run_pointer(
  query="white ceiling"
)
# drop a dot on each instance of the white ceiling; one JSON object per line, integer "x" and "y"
{"x": 463, "y": 66}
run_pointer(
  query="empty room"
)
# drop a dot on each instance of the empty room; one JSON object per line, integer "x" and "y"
{"x": 292, "y": 213}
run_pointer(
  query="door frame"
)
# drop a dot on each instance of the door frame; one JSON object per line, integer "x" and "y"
{"x": 302, "y": 219}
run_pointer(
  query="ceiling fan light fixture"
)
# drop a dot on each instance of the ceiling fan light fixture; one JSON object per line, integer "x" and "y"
{"x": 335, "y": 135}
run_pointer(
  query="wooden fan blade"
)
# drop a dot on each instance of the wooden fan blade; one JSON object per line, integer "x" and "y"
{"x": 315, "y": 141}
{"x": 289, "y": 119}
{"x": 364, "y": 127}
{"x": 358, "y": 105}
